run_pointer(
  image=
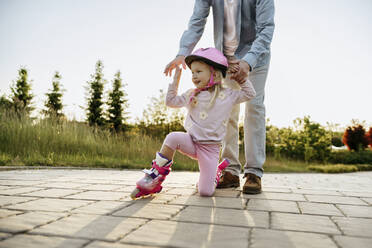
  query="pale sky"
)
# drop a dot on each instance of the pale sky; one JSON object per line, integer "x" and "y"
{"x": 321, "y": 52}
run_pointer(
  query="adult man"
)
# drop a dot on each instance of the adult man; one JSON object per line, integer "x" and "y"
{"x": 243, "y": 31}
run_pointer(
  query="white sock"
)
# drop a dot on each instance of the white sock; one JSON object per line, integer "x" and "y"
{"x": 160, "y": 161}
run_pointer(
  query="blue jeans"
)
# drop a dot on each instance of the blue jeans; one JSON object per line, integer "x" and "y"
{"x": 254, "y": 129}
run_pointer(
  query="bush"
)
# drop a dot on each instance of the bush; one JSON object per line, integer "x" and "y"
{"x": 351, "y": 157}
{"x": 308, "y": 141}
{"x": 355, "y": 138}
{"x": 334, "y": 168}
{"x": 336, "y": 141}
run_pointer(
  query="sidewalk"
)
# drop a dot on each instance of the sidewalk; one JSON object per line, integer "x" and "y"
{"x": 92, "y": 209}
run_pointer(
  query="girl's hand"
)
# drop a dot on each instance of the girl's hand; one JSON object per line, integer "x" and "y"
{"x": 233, "y": 64}
{"x": 241, "y": 75}
{"x": 177, "y": 76}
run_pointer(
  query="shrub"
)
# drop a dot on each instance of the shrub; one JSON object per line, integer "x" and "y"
{"x": 334, "y": 168}
{"x": 308, "y": 141}
{"x": 355, "y": 138}
{"x": 351, "y": 157}
{"x": 336, "y": 141}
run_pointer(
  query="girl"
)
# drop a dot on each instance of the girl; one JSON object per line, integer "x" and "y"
{"x": 209, "y": 106}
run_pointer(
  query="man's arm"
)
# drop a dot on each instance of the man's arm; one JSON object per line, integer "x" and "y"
{"x": 191, "y": 36}
{"x": 265, "y": 29}
{"x": 195, "y": 29}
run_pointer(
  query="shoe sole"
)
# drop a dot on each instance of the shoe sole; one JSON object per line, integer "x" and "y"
{"x": 232, "y": 185}
{"x": 251, "y": 191}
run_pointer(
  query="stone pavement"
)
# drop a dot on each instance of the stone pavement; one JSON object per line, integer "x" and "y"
{"x": 92, "y": 209}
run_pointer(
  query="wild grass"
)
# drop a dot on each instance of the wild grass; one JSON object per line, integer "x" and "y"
{"x": 24, "y": 141}
{"x": 35, "y": 142}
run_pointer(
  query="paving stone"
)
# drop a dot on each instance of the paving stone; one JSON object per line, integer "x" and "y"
{"x": 27, "y": 221}
{"x": 53, "y": 193}
{"x": 22, "y": 182}
{"x": 63, "y": 185}
{"x": 356, "y": 211}
{"x": 353, "y": 242}
{"x": 273, "y": 205}
{"x": 37, "y": 241}
{"x": 101, "y": 187}
{"x": 4, "y": 235}
{"x": 226, "y": 193}
{"x": 101, "y": 227}
{"x": 181, "y": 191}
{"x": 223, "y": 216}
{"x": 357, "y": 194}
{"x": 184, "y": 218}
{"x": 101, "y": 207}
{"x": 276, "y": 189}
{"x": 335, "y": 199}
{"x": 2, "y": 187}
{"x": 99, "y": 195}
{"x": 220, "y": 202}
{"x": 6, "y": 213}
{"x": 158, "y": 198}
{"x": 275, "y": 196}
{"x": 45, "y": 204}
{"x": 181, "y": 234}
{"x": 20, "y": 190}
{"x": 101, "y": 244}
{"x": 149, "y": 211}
{"x": 307, "y": 223}
{"x": 263, "y": 238}
{"x": 177, "y": 185}
{"x": 316, "y": 192}
{"x": 355, "y": 226}
{"x": 7, "y": 200}
{"x": 319, "y": 209}
{"x": 124, "y": 188}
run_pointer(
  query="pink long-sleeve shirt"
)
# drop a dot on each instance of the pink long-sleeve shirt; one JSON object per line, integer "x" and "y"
{"x": 205, "y": 125}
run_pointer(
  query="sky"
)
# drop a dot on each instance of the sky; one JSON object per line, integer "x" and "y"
{"x": 320, "y": 65}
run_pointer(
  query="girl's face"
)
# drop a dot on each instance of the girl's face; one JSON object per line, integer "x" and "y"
{"x": 201, "y": 74}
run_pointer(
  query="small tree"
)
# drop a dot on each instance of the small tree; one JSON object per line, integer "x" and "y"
{"x": 355, "y": 138}
{"x": 95, "y": 92}
{"x": 117, "y": 103}
{"x": 53, "y": 103}
{"x": 158, "y": 120}
{"x": 5, "y": 103}
{"x": 369, "y": 137}
{"x": 22, "y": 96}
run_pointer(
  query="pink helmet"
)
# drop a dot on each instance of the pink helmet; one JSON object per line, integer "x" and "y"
{"x": 211, "y": 56}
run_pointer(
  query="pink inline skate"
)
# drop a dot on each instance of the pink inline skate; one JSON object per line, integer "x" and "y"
{"x": 220, "y": 168}
{"x": 151, "y": 183}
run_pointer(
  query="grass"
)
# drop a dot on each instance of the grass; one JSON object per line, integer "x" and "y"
{"x": 27, "y": 142}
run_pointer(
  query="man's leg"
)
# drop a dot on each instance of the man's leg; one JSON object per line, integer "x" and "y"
{"x": 255, "y": 125}
{"x": 230, "y": 145}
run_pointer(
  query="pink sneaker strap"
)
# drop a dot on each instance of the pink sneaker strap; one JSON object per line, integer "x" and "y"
{"x": 163, "y": 170}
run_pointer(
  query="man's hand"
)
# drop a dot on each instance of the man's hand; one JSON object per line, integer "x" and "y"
{"x": 241, "y": 75}
{"x": 233, "y": 64}
{"x": 177, "y": 75}
{"x": 180, "y": 59}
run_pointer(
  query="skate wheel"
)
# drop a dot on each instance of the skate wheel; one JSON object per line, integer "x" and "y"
{"x": 134, "y": 193}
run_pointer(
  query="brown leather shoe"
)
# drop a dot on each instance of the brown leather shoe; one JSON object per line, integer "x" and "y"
{"x": 228, "y": 180}
{"x": 252, "y": 184}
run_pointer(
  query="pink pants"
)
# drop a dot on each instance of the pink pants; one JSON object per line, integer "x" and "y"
{"x": 206, "y": 154}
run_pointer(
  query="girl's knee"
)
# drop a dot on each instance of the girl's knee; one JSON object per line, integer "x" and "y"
{"x": 203, "y": 191}
{"x": 170, "y": 140}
